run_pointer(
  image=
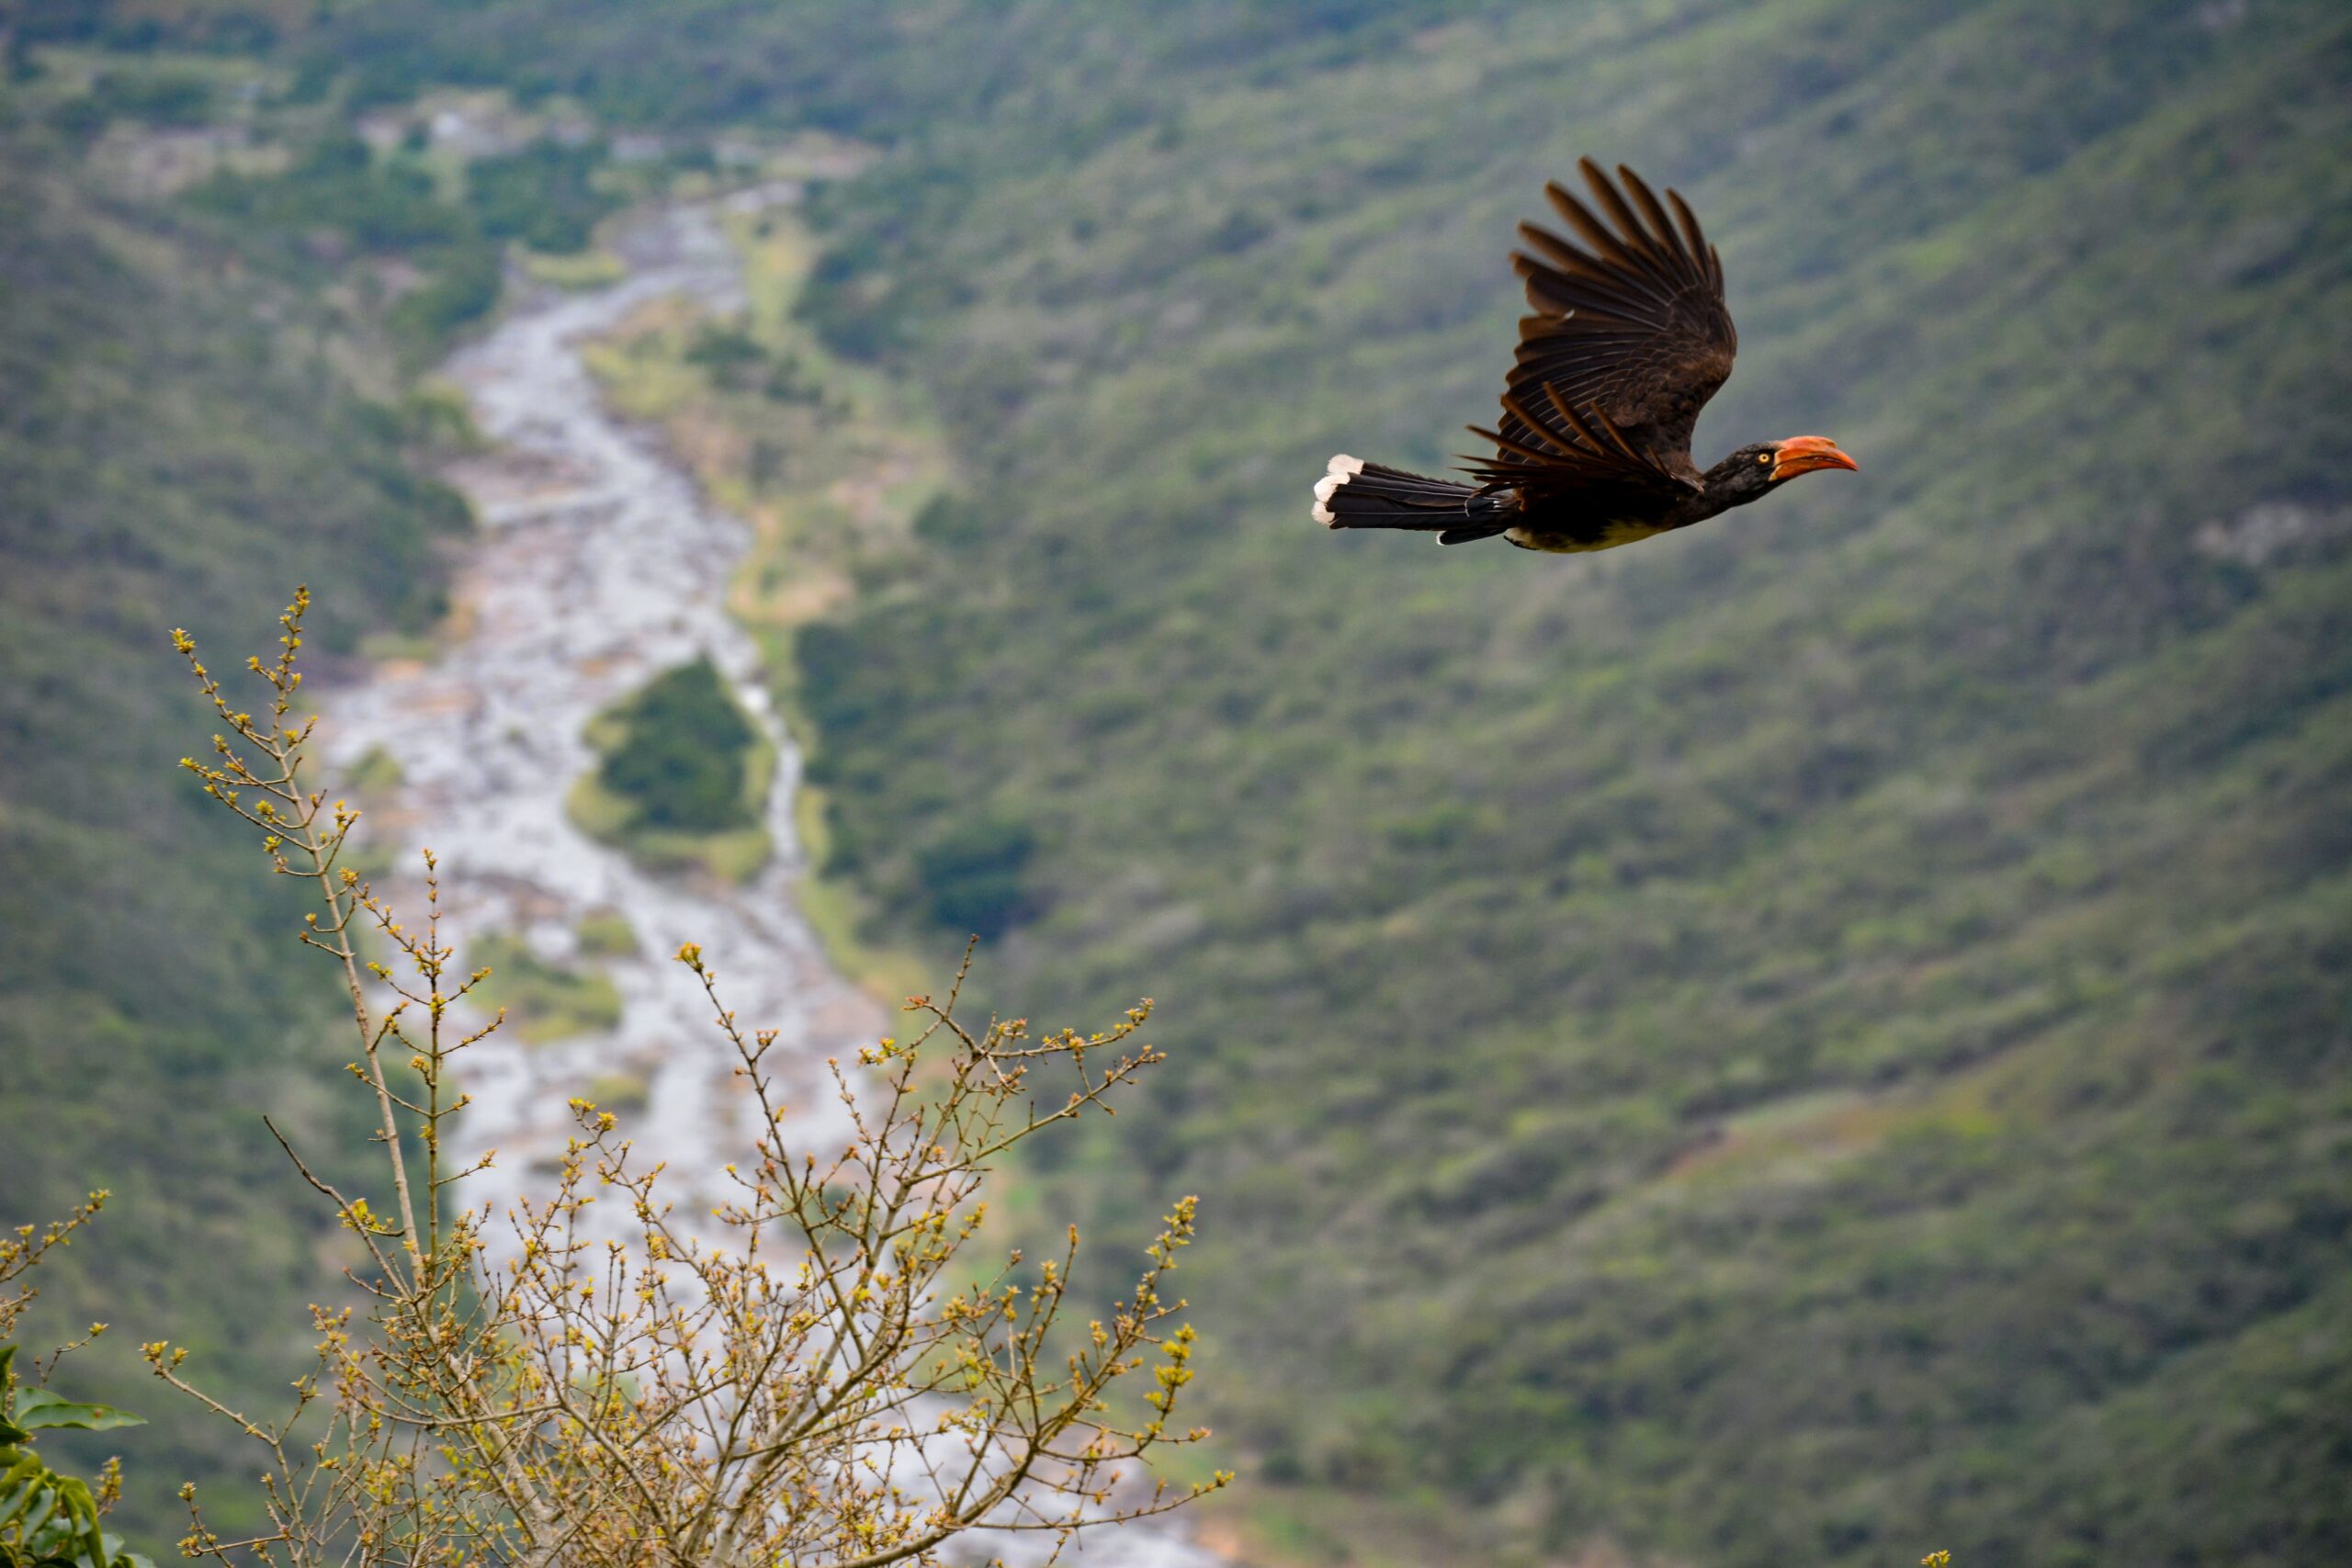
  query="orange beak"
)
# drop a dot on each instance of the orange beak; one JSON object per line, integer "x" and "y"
{"x": 1802, "y": 454}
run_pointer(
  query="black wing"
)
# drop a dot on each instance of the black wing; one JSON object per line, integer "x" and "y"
{"x": 1630, "y": 339}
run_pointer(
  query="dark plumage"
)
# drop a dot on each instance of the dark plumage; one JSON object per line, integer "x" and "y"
{"x": 1629, "y": 340}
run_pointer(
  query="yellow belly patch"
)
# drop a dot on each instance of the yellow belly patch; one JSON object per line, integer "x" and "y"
{"x": 1618, "y": 531}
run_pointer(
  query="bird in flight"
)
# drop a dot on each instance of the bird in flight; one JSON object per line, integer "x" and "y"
{"x": 1629, "y": 340}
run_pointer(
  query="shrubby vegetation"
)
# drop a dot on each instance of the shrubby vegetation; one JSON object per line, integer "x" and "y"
{"x": 225, "y": 26}
{"x": 338, "y": 185}
{"x": 543, "y": 1001}
{"x": 973, "y": 877}
{"x": 1791, "y": 1041}
{"x": 1761, "y": 1047}
{"x": 681, "y": 752}
{"x": 545, "y": 195}
{"x": 821, "y": 1375}
{"x": 338, "y": 191}
{"x": 178, "y": 432}
{"x": 49, "y": 1519}
{"x": 685, "y": 775}
{"x": 167, "y": 98}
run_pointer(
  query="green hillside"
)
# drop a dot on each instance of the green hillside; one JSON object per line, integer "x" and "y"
{"x": 1800, "y": 1043}
{"x": 180, "y": 443}
{"x": 1804, "y": 1039}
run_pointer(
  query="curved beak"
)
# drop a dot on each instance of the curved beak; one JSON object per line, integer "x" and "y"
{"x": 1802, "y": 454}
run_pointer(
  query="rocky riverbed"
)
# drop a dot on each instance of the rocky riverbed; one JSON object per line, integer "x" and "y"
{"x": 597, "y": 566}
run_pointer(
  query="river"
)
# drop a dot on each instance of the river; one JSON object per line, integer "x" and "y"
{"x": 598, "y": 565}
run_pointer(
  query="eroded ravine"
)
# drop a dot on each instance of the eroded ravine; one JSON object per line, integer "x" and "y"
{"x": 597, "y": 566}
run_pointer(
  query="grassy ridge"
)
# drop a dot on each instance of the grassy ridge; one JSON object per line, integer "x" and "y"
{"x": 1799, "y": 1040}
{"x": 180, "y": 443}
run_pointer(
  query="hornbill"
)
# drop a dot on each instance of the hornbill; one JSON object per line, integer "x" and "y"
{"x": 1629, "y": 338}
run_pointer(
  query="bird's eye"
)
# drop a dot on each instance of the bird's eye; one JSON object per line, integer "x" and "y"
{"x": 1763, "y": 456}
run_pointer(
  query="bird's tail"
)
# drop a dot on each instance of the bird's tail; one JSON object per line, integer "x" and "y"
{"x": 1353, "y": 493}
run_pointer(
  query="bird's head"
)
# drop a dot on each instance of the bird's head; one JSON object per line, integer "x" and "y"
{"x": 1748, "y": 473}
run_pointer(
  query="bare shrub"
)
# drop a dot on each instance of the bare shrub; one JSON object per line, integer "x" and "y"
{"x": 814, "y": 1373}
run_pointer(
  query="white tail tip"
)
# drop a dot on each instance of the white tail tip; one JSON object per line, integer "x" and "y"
{"x": 1339, "y": 471}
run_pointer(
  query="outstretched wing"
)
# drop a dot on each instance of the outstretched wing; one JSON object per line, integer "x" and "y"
{"x": 1630, "y": 339}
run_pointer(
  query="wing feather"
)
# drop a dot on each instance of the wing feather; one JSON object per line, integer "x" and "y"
{"x": 1629, "y": 338}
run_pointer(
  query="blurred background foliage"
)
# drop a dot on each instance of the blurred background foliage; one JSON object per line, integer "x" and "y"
{"x": 1818, "y": 1035}
{"x": 180, "y": 443}
{"x": 680, "y": 753}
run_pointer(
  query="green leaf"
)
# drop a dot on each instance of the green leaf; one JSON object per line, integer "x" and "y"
{"x": 63, "y": 1525}
{"x": 19, "y": 1465}
{"x": 40, "y": 1407}
{"x": 116, "y": 1557}
{"x": 37, "y": 1509}
{"x": 24, "y": 1468}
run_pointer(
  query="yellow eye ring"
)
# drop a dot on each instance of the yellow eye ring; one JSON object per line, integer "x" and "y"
{"x": 1763, "y": 456}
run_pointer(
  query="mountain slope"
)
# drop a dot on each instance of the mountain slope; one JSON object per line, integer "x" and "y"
{"x": 1793, "y": 1042}
{"x": 179, "y": 446}
{"x": 1802, "y": 1042}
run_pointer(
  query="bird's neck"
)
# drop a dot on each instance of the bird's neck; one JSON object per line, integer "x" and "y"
{"x": 1723, "y": 487}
